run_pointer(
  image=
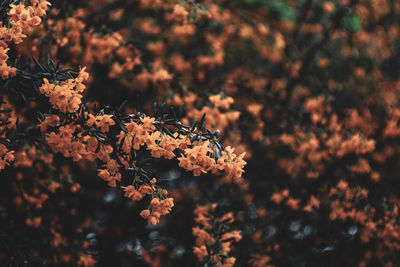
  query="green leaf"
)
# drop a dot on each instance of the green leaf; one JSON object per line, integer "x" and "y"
{"x": 351, "y": 23}
{"x": 280, "y": 10}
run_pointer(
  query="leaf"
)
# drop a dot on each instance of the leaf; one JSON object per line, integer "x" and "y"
{"x": 97, "y": 148}
{"x": 121, "y": 143}
{"x": 201, "y": 123}
{"x": 174, "y": 113}
{"x": 122, "y": 106}
{"x": 280, "y": 10}
{"x": 155, "y": 109}
{"x": 181, "y": 110}
{"x": 165, "y": 130}
{"x": 4, "y": 141}
{"x": 194, "y": 138}
{"x": 351, "y": 23}
{"x": 205, "y": 260}
{"x": 193, "y": 125}
{"x": 41, "y": 116}
{"x": 38, "y": 64}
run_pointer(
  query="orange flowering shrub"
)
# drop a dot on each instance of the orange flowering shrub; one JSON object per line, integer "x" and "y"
{"x": 6, "y": 122}
{"x": 22, "y": 18}
{"x": 213, "y": 238}
{"x": 88, "y": 137}
{"x": 276, "y": 143}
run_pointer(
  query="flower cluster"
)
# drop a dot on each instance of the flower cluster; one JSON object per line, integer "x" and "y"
{"x": 88, "y": 138}
{"x": 157, "y": 208}
{"x": 308, "y": 89}
{"x": 65, "y": 96}
{"x": 214, "y": 246}
{"x": 7, "y": 121}
{"x": 22, "y": 18}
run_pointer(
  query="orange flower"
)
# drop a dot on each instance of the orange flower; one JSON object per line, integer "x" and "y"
{"x": 145, "y": 189}
{"x": 145, "y": 214}
{"x": 153, "y": 220}
{"x": 104, "y": 122}
{"x": 50, "y": 121}
{"x": 147, "y": 123}
{"x": 277, "y": 198}
{"x": 86, "y": 260}
{"x": 202, "y": 236}
{"x": 46, "y": 87}
{"x": 236, "y": 234}
{"x": 342, "y": 185}
{"x": 221, "y": 103}
{"x": 293, "y": 203}
{"x": 132, "y": 193}
{"x": 227, "y": 218}
{"x": 229, "y": 262}
{"x": 179, "y": 13}
{"x": 200, "y": 252}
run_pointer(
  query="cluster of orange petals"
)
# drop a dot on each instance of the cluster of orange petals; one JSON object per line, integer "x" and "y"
{"x": 158, "y": 207}
{"x": 22, "y": 18}
{"x": 313, "y": 151}
{"x": 204, "y": 235}
{"x": 72, "y": 140}
{"x": 345, "y": 206}
{"x": 65, "y": 96}
{"x": 7, "y": 155}
{"x": 199, "y": 156}
{"x": 219, "y": 116}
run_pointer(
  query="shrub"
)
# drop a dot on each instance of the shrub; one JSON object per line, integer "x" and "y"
{"x": 246, "y": 133}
